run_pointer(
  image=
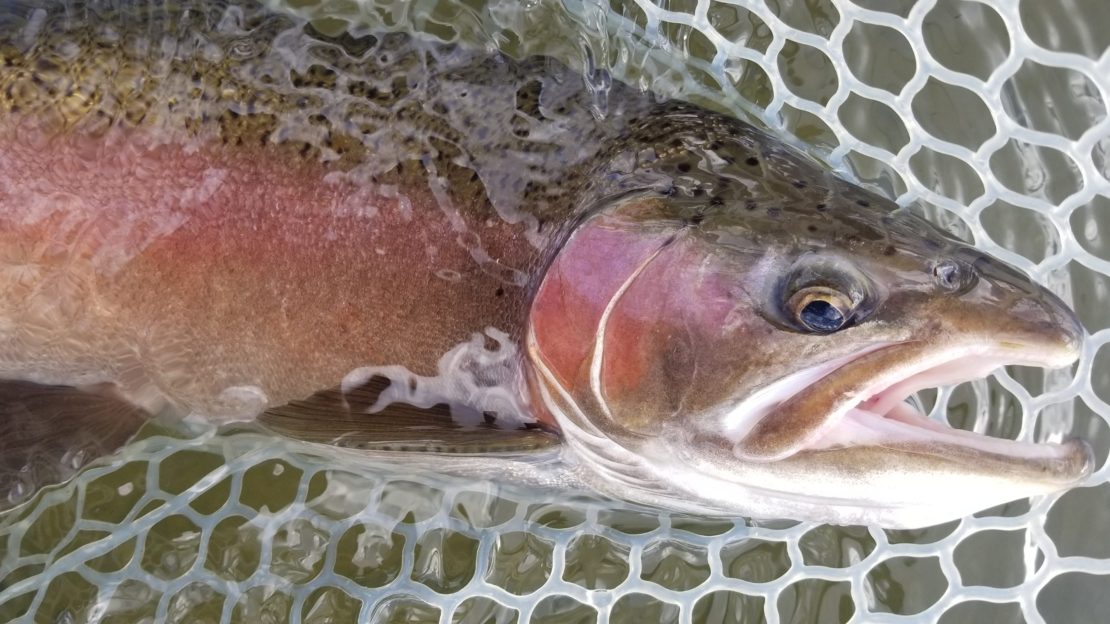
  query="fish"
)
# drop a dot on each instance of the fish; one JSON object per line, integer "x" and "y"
{"x": 223, "y": 212}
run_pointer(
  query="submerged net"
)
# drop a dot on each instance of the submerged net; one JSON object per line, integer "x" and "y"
{"x": 991, "y": 115}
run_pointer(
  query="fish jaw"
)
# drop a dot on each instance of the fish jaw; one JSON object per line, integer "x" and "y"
{"x": 896, "y": 468}
{"x": 878, "y": 460}
{"x": 872, "y": 457}
{"x": 901, "y": 486}
{"x": 862, "y": 398}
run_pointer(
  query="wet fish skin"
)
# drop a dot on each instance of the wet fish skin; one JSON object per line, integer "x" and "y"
{"x": 215, "y": 208}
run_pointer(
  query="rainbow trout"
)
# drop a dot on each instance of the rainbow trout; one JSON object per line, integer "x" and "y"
{"x": 223, "y": 212}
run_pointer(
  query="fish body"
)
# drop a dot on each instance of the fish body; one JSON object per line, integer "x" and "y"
{"x": 221, "y": 211}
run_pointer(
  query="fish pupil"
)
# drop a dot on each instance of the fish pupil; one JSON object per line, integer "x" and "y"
{"x": 820, "y": 315}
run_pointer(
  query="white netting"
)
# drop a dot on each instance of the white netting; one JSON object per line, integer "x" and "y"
{"x": 991, "y": 114}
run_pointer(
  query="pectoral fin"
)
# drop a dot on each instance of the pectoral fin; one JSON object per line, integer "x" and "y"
{"x": 48, "y": 433}
{"x": 344, "y": 419}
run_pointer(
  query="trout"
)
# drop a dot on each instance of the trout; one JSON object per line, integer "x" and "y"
{"x": 224, "y": 212}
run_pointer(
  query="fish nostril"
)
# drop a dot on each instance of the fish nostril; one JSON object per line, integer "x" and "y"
{"x": 947, "y": 274}
{"x": 954, "y": 277}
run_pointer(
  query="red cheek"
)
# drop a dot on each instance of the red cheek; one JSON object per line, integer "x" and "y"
{"x": 579, "y": 284}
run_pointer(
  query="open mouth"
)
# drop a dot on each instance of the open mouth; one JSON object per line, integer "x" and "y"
{"x": 861, "y": 400}
{"x": 884, "y": 417}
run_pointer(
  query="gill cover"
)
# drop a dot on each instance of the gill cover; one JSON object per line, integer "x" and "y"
{"x": 599, "y": 350}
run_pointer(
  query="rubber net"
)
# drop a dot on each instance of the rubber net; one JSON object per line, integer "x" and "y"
{"x": 991, "y": 115}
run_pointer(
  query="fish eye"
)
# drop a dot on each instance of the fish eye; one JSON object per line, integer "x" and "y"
{"x": 820, "y": 310}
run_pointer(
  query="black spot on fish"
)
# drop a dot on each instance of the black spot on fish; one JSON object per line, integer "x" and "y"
{"x": 716, "y": 201}
{"x": 889, "y": 250}
{"x": 812, "y": 228}
{"x": 698, "y": 218}
{"x": 684, "y": 167}
{"x": 500, "y": 292}
{"x": 822, "y": 207}
{"x": 752, "y": 161}
{"x": 863, "y": 202}
{"x": 749, "y": 205}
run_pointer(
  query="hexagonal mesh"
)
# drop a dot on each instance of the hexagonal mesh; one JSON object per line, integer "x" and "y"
{"x": 993, "y": 115}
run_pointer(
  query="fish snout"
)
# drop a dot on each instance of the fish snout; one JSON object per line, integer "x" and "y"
{"x": 1051, "y": 328}
{"x": 1010, "y": 309}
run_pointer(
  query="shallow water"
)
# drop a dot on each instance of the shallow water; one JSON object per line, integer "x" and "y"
{"x": 239, "y": 526}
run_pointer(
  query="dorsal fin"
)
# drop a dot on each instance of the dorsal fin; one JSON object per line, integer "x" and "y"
{"x": 343, "y": 419}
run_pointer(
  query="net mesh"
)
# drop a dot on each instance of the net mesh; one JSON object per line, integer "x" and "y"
{"x": 992, "y": 115}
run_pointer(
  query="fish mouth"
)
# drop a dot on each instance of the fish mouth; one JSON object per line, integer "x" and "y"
{"x": 880, "y": 413}
{"x": 864, "y": 401}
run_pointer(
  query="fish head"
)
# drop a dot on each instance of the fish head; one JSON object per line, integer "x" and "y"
{"x": 723, "y": 357}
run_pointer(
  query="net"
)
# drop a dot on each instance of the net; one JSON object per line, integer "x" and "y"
{"x": 991, "y": 115}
